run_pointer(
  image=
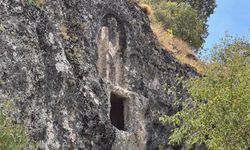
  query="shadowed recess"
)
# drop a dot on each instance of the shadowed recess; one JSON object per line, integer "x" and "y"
{"x": 117, "y": 113}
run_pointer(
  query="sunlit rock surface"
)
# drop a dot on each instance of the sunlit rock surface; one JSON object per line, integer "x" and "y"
{"x": 63, "y": 59}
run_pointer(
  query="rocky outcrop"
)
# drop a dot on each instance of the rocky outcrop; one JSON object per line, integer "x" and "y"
{"x": 71, "y": 64}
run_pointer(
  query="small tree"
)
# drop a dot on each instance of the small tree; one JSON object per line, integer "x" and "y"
{"x": 219, "y": 113}
{"x": 204, "y": 7}
{"x": 183, "y": 20}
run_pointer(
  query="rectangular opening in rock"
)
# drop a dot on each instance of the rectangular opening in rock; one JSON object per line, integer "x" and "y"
{"x": 118, "y": 111}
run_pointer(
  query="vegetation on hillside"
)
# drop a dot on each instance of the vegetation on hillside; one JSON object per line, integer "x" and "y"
{"x": 184, "y": 22}
{"x": 180, "y": 26}
{"x": 204, "y": 7}
{"x": 179, "y": 48}
{"x": 187, "y": 19}
{"x": 219, "y": 113}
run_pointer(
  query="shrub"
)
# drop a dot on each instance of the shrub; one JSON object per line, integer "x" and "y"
{"x": 204, "y": 7}
{"x": 183, "y": 20}
{"x": 218, "y": 115}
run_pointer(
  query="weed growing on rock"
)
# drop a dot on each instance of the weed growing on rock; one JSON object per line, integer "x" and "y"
{"x": 38, "y": 3}
{"x": 12, "y": 134}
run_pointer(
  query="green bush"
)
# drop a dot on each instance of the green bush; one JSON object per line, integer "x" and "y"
{"x": 204, "y": 7}
{"x": 183, "y": 20}
{"x": 186, "y": 18}
{"x": 219, "y": 113}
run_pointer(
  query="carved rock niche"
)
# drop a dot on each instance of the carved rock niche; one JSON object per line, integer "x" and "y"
{"x": 111, "y": 45}
{"x": 119, "y": 111}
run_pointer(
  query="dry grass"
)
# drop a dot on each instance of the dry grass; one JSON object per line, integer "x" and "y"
{"x": 39, "y": 3}
{"x": 146, "y": 9}
{"x": 64, "y": 32}
{"x": 179, "y": 48}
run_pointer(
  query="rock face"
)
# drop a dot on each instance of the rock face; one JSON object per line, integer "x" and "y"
{"x": 87, "y": 73}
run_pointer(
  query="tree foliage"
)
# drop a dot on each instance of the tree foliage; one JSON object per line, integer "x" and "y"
{"x": 204, "y": 7}
{"x": 187, "y": 18}
{"x": 219, "y": 113}
{"x": 183, "y": 20}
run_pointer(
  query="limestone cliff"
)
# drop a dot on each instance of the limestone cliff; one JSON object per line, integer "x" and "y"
{"x": 87, "y": 73}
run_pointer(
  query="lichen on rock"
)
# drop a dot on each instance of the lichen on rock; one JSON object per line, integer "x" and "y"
{"x": 65, "y": 84}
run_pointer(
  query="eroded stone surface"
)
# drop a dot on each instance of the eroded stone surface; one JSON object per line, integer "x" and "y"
{"x": 62, "y": 60}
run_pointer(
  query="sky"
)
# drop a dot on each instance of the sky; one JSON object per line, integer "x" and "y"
{"x": 232, "y": 16}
